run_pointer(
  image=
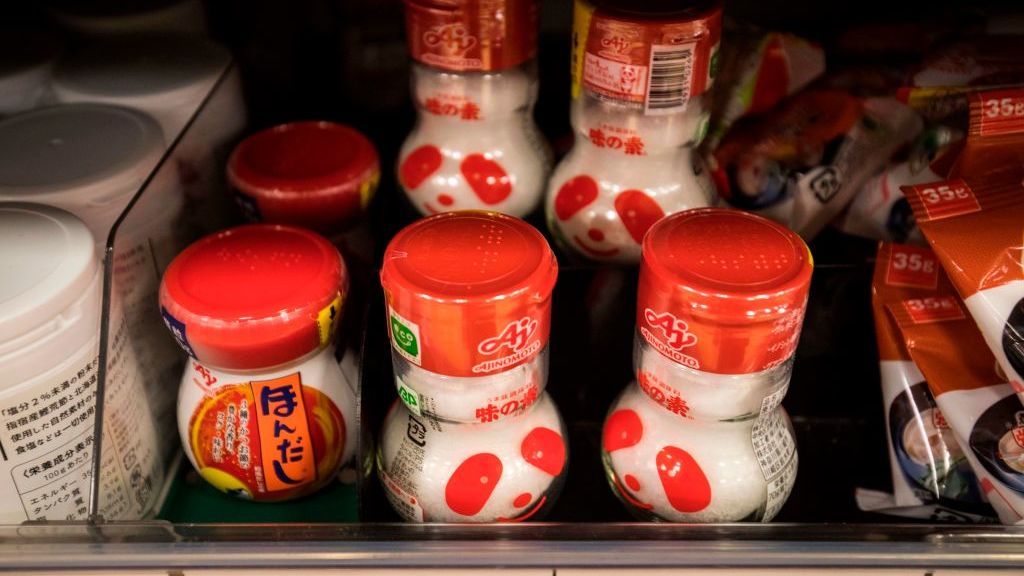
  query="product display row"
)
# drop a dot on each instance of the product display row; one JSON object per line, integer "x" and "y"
{"x": 323, "y": 316}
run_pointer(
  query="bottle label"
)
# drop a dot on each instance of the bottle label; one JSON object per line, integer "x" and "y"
{"x": 474, "y": 37}
{"x": 263, "y": 439}
{"x": 775, "y": 451}
{"x": 658, "y": 65}
{"x": 405, "y": 336}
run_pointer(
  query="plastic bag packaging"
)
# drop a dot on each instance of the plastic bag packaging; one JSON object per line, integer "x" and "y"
{"x": 977, "y": 232}
{"x": 879, "y": 210}
{"x": 994, "y": 147}
{"x": 803, "y": 162}
{"x": 759, "y": 70}
{"x": 980, "y": 408}
{"x": 931, "y": 477}
{"x": 940, "y": 88}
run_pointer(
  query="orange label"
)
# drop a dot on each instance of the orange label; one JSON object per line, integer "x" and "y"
{"x": 912, "y": 267}
{"x": 946, "y": 199}
{"x": 997, "y": 112}
{"x": 945, "y": 344}
{"x": 933, "y": 309}
{"x": 285, "y": 441}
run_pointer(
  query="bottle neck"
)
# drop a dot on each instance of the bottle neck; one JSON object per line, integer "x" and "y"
{"x": 473, "y": 98}
{"x": 628, "y": 130}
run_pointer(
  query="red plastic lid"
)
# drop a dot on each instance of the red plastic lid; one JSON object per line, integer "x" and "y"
{"x": 469, "y": 293}
{"x": 319, "y": 175}
{"x": 471, "y": 35}
{"x": 254, "y": 296}
{"x": 722, "y": 290}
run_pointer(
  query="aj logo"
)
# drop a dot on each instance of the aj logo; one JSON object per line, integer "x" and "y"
{"x": 515, "y": 336}
{"x": 450, "y": 38}
{"x": 677, "y": 332}
{"x": 617, "y": 44}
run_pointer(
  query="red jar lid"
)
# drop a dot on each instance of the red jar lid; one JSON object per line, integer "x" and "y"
{"x": 469, "y": 293}
{"x": 471, "y": 35}
{"x": 722, "y": 290}
{"x": 319, "y": 175}
{"x": 254, "y": 296}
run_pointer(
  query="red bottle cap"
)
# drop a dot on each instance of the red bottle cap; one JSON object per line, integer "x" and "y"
{"x": 471, "y": 35}
{"x": 659, "y": 53}
{"x": 254, "y": 296}
{"x": 469, "y": 293}
{"x": 723, "y": 291}
{"x": 319, "y": 175}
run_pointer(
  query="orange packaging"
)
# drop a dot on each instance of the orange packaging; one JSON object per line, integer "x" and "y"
{"x": 930, "y": 474}
{"x": 986, "y": 418}
{"x": 994, "y": 146}
{"x": 944, "y": 84}
{"x": 977, "y": 231}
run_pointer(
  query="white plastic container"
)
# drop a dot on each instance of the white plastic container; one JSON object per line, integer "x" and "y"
{"x": 49, "y": 346}
{"x": 25, "y": 67}
{"x": 90, "y": 160}
{"x": 264, "y": 411}
{"x": 506, "y": 471}
{"x": 87, "y": 159}
{"x": 166, "y": 77}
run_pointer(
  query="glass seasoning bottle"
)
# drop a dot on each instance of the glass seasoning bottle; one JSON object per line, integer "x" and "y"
{"x": 264, "y": 411}
{"x": 474, "y": 84}
{"x": 641, "y": 75}
{"x": 469, "y": 303}
{"x": 700, "y": 436}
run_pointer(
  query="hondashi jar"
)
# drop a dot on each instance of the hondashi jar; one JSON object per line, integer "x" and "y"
{"x": 474, "y": 84}
{"x": 701, "y": 436}
{"x": 642, "y": 71}
{"x": 264, "y": 411}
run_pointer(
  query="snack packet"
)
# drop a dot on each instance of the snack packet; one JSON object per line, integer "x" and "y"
{"x": 928, "y": 465}
{"x": 995, "y": 139}
{"x": 879, "y": 210}
{"x": 760, "y": 69}
{"x": 802, "y": 163}
{"x": 980, "y": 408}
{"x": 977, "y": 231}
{"x": 941, "y": 87}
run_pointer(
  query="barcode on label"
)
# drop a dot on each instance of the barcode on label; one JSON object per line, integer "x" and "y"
{"x": 671, "y": 76}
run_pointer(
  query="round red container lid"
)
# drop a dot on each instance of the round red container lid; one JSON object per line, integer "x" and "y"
{"x": 469, "y": 293}
{"x": 471, "y": 35}
{"x": 254, "y": 296}
{"x": 319, "y": 175}
{"x": 723, "y": 290}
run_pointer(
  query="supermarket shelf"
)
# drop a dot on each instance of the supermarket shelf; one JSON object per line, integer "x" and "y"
{"x": 167, "y": 546}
